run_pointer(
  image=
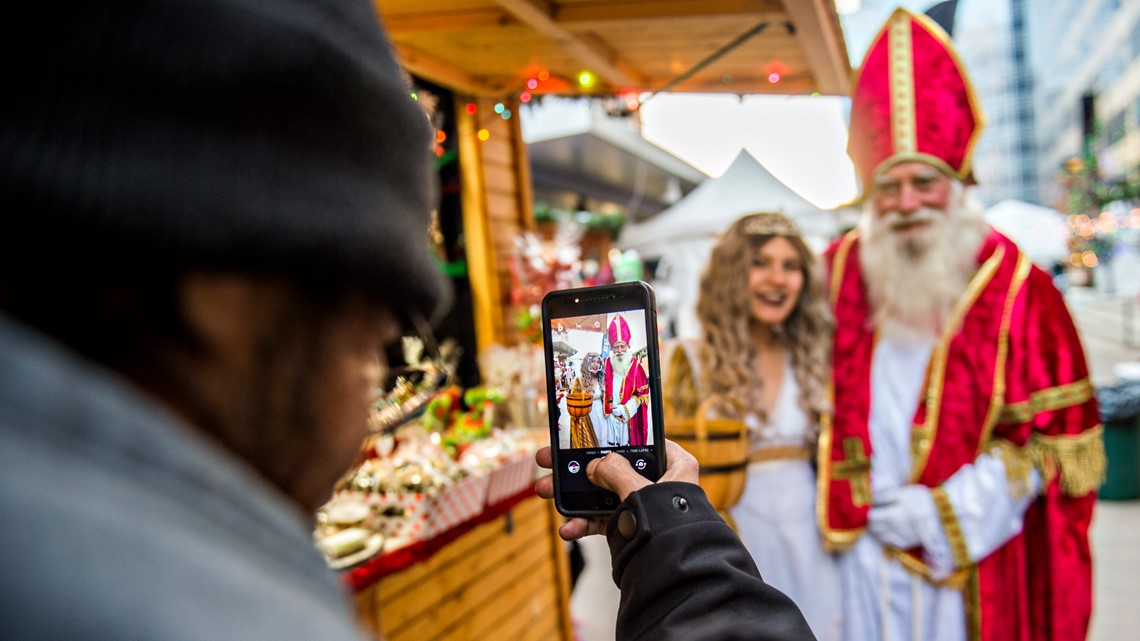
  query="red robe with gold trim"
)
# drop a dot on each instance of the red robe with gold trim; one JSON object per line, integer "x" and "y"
{"x": 634, "y": 384}
{"x": 1010, "y": 373}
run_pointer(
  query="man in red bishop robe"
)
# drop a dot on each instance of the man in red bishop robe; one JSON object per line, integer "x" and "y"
{"x": 959, "y": 469}
{"x": 626, "y": 389}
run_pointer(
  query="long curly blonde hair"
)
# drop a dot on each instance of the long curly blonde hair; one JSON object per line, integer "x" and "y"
{"x": 589, "y": 380}
{"x": 728, "y": 353}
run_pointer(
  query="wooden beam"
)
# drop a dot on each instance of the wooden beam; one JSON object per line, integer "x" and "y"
{"x": 580, "y": 16}
{"x": 444, "y": 73}
{"x": 522, "y": 171}
{"x": 822, "y": 43}
{"x": 788, "y": 85}
{"x": 607, "y": 65}
{"x": 482, "y": 267}
{"x": 402, "y": 23}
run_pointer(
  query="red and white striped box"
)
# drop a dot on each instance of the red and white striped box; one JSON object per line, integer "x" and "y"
{"x": 421, "y": 516}
{"x": 457, "y": 503}
{"x": 513, "y": 475}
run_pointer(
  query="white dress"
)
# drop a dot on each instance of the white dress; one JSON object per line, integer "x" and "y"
{"x": 776, "y": 520}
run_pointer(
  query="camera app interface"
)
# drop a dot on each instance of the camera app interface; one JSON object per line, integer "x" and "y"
{"x": 601, "y": 381}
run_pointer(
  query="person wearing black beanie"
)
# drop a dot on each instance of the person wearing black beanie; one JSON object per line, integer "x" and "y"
{"x": 217, "y": 218}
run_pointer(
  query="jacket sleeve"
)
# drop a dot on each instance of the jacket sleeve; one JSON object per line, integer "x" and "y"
{"x": 684, "y": 574}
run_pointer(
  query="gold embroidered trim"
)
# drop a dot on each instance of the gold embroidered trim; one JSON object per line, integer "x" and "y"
{"x": 1020, "y": 273}
{"x": 1018, "y": 463}
{"x": 956, "y": 580}
{"x": 833, "y": 539}
{"x": 840, "y": 263}
{"x": 939, "y": 34}
{"x": 951, "y": 527}
{"x": 916, "y": 156}
{"x": 1078, "y": 460}
{"x": 972, "y": 600}
{"x": 1047, "y": 400}
{"x": 901, "y": 61}
{"x": 924, "y": 441}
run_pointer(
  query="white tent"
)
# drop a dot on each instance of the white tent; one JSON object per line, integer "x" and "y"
{"x": 683, "y": 235}
{"x": 1041, "y": 232}
{"x": 745, "y": 188}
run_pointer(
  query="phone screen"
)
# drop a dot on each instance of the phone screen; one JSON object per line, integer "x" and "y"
{"x": 602, "y": 362}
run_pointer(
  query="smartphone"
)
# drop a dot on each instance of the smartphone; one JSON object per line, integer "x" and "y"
{"x": 603, "y": 385}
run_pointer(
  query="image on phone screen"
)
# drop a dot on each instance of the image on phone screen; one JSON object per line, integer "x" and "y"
{"x": 602, "y": 393}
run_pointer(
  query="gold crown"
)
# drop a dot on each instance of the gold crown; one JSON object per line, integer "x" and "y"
{"x": 767, "y": 224}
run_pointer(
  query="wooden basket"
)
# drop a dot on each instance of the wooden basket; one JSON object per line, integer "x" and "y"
{"x": 578, "y": 404}
{"x": 720, "y": 443}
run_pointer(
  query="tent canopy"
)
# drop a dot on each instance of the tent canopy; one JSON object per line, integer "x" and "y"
{"x": 1041, "y": 232}
{"x": 745, "y": 188}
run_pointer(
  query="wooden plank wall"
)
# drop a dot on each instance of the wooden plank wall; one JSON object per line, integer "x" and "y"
{"x": 506, "y": 579}
{"x": 497, "y": 207}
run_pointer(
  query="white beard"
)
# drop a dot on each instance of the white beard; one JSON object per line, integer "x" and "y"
{"x": 621, "y": 364}
{"x": 915, "y": 277}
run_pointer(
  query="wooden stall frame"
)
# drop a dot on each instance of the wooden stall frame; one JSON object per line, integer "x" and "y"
{"x": 488, "y": 202}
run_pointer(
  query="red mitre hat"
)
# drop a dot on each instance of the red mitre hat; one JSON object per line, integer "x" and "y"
{"x": 912, "y": 101}
{"x": 619, "y": 331}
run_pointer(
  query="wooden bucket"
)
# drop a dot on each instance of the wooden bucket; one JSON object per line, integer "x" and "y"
{"x": 715, "y": 433}
{"x": 720, "y": 445}
{"x": 578, "y": 404}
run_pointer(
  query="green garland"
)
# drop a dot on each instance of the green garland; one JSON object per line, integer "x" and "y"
{"x": 609, "y": 224}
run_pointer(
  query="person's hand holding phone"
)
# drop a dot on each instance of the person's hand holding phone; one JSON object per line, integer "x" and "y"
{"x": 613, "y": 472}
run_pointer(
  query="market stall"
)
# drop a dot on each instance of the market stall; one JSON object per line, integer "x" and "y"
{"x": 436, "y": 527}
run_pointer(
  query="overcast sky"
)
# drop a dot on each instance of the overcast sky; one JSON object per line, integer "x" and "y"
{"x": 802, "y": 140}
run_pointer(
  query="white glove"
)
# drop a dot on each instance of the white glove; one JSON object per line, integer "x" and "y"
{"x": 900, "y": 516}
{"x": 619, "y": 411}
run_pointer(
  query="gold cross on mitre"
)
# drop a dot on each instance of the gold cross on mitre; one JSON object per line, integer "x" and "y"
{"x": 855, "y": 468}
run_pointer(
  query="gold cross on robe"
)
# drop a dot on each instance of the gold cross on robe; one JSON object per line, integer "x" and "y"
{"x": 855, "y": 468}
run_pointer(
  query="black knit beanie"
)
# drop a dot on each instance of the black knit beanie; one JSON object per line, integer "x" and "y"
{"x": 271, "y": 136}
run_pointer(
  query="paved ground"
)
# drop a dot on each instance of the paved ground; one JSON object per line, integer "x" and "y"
{"x": 1110, "y": 331}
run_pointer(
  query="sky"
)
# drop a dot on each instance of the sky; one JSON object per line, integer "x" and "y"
{"x": 802, "y": 140}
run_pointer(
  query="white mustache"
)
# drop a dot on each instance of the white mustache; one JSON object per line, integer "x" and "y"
{"x": 895, "y": 219}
